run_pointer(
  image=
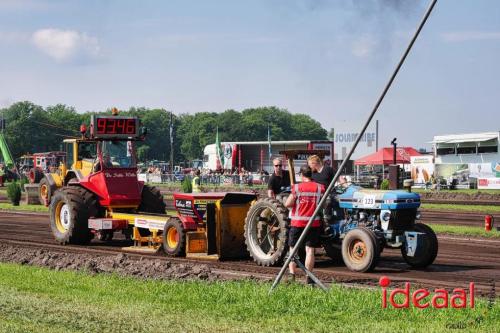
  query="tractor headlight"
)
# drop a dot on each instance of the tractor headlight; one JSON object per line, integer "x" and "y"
{"x": 418, "y": 216}
{"x": 385, "y": 217}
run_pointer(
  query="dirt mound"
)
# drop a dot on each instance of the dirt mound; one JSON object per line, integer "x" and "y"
{"x": 121, "y": 264}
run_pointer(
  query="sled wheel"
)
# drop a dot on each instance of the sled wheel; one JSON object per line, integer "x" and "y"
{"x": 174, "y": 238}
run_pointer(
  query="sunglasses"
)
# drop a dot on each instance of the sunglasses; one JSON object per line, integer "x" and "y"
{"x": 278, "y": 165}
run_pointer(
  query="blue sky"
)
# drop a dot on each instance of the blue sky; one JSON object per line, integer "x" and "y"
{"x": 329, "y": 59}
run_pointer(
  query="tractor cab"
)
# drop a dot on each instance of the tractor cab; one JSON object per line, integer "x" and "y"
{"x": 102, "y": 161}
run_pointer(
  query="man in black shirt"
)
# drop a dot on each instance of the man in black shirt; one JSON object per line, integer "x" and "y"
{"x": 322, "y": 174}
{"x": 279, "y": 180}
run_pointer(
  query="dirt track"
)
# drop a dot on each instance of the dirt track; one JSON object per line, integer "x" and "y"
{"x": 26, "y": 238}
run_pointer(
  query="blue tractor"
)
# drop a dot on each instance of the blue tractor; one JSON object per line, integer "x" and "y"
{"x": 359, "y": 223}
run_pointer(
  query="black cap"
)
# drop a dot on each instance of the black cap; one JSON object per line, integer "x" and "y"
{"x": 306, "y": 171}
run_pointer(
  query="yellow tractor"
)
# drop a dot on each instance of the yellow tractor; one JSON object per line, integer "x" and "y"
{"x": 81, "y": 161}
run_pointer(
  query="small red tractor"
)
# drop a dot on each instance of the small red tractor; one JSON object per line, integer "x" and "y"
{"x": 96, "y": 192}
{"x": 34, "y": 166}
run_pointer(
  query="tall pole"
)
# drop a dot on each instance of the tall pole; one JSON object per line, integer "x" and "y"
{"x": 171, "y": 142}
{"x": 376, "y": 135}
{"x": 362, "y": 132}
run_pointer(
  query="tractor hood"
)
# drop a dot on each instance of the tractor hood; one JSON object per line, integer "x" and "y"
{"x": 360, "y": 198}
{"x": 115, "y": 187}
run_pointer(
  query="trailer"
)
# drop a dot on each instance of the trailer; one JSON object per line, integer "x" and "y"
{"x": 255, "y": 156}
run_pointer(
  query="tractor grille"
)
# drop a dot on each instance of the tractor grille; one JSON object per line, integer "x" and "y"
{"x": 402, "y": 219}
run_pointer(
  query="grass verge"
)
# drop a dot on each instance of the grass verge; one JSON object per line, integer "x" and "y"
{"x": 464, "y": 231}
{"x": 40, "y": 300}
{"x": 463, "y": 208}
{"x": 23, "y": 207}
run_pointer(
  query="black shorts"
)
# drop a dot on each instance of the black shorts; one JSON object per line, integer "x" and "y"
{"x": 312, "y": 237}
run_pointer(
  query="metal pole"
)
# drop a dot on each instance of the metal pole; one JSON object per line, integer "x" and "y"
{"x": 376, "y": 135}
{"x": 337, "y": 174}
{"x": 171, "y": 142}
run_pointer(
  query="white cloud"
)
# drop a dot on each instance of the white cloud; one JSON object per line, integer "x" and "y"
{"x": 64, "y": 45}
{"x": 364, "y": 46}
{"x": 463, "y": 36}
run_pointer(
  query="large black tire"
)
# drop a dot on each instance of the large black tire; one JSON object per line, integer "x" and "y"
{"x": 44, "y": 191}
{"x": 360, "y": 250}
{"x": 174, "y": 238}
{"x": 266, "y": 232}
{"x": 35, "y": 175}
{"x": 429, "y": 251}
{"x": 70, "y": 210}
{"x": 151, "y": 202}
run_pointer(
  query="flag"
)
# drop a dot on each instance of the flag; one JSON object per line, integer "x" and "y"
{"x": 218, "y": 152}
{"x": 269, "y": 141}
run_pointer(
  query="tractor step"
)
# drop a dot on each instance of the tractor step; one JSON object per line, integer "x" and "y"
{"x": 108, "y": 224}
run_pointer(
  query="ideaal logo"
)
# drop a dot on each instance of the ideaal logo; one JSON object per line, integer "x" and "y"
{"x": 460, "y": 297}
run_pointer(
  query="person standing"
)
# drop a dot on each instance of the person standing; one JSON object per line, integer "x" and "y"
{"x": 322, "y": 174}
{"x": 279, "y": 180}
{"x": 302, "y": 202}
{"x": 196, "y": 182}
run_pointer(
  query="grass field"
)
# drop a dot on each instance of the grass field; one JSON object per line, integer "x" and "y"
{"x": 467, "y": 191}
{"x": 40, "y": 300}
{"x": 463, "y": 208}
{"x": 464, "y": 231}
{"x": 23, "y": 207}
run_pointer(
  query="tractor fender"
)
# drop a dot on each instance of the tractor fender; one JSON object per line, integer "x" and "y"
{"x": 55, "y": 181}
{"x": 73, "y": 174}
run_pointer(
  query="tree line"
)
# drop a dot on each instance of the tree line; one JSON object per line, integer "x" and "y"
{"x": 31, "y": 128}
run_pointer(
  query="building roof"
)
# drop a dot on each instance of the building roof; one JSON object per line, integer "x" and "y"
{"x": 384, "y": 156}
{"x": 472, "y": 137}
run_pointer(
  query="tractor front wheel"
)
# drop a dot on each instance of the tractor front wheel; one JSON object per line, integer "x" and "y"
{"x": 360, "y": 250}
{"x": 44, "y": 191}
{"x": 429, "y": 248}
{"x": 174, "y": 238}
{"x": 70, "y": 210}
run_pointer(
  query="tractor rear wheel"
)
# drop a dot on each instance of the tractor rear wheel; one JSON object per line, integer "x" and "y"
{"x": 360, "y": 250}
{"x": 151, "y": 202}
{"x": 70, "y": 210}
{"x": 266, "y": 232}
{"x": 429, "y": 251}
{"x": 174, "y": 238}
{"x": 44, "y": 191}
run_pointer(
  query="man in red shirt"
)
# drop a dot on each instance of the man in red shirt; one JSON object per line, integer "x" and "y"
{"x": 302, "y": 202}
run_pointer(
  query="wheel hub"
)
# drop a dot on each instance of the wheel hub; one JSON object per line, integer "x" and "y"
{"x": 64, "y": 217}
{"x": 172, "y": 238}
{"x": 358, "y": 250}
